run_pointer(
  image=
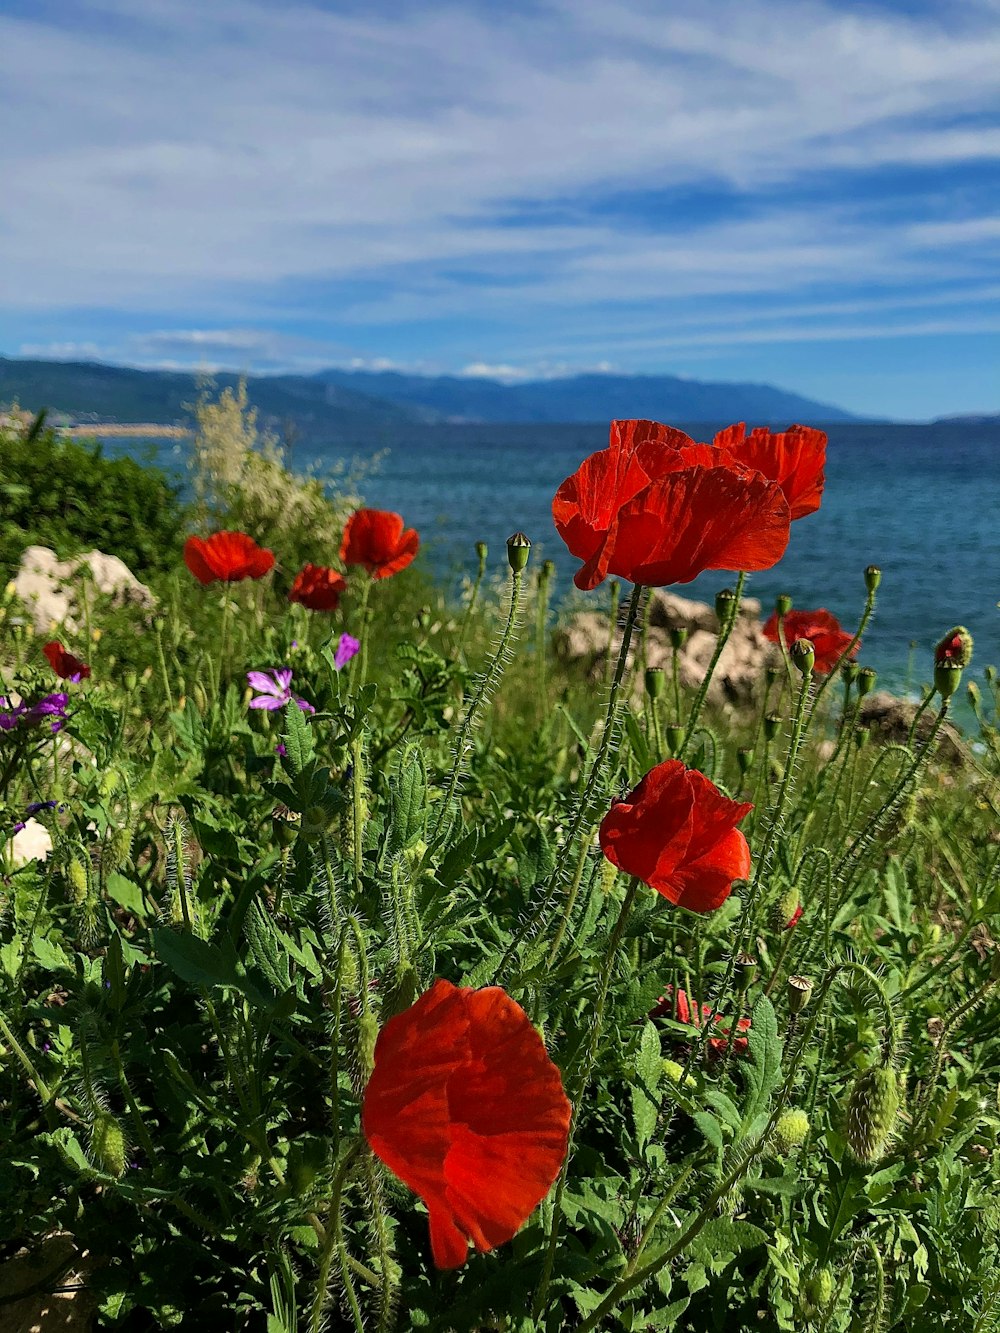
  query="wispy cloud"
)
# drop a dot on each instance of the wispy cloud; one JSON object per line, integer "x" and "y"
{"x": 442, "y": 182}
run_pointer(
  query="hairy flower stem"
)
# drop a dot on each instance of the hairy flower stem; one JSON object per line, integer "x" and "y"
{"x": 223, "y": 640}
{"x": 473, "y": 599}
{"x": 579, "y": 1088}
{"x": 334, "y": 1233}
{"x": 725, "y": 629}
{"x": 487, "y": 684}
{"x": 615, "y": 589}
{"x": 381, "y": 1230}
{"x": 359, "y": 667}
{"x": 924, "y": 702}
{"x": 952, "y": 1022}
{"x": 34, "y": 1078}
{"x": 583, "y": 812}
{"x": 133, "y": 1106}
{"x": 358, "y": 810}
{"x": 630, "y": 1281}
{"x": 845, "y": 656}
{"x": 158, "y": 634}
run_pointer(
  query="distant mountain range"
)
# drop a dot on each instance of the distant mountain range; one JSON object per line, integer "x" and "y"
{"x": 354, "y": 401}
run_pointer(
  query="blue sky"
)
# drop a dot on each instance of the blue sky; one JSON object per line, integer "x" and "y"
{"x": 790, "y": 191}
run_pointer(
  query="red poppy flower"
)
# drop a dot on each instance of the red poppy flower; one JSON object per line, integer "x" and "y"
{"x": 317, "y": 588}
{"x": 226, "y": 557}
{"x": 467, "y": 1109}
{"x": 794, "y": 919}
{"x": 794, "y": 458}
{"x": 377, "y": 539}
{"x": 677, "y": 833}
{"x": 823, "y": 631}
{"x": 63, "y": 663}
{"x": 657, "y": 508}
{"x": 671, "y": 1005}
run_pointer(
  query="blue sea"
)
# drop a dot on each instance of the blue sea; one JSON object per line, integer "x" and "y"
{"x": 922, "y": 502}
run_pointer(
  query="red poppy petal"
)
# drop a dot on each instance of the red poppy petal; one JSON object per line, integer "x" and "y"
{"x": 698, "y": 519}
{"x": 406, "y": 550}
{"x": 194, "y": 558}
{"x": 704, "y": 885}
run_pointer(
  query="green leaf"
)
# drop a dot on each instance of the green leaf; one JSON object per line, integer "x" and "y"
{"x": 637, "y": 741}
{"x": 298, "y": 739}
{"x": 407, "y": 802}
{"x": 762, "y": 1072}
{"x": 127, "y": 894}
{"x": 10, "y": 956}
{"x": 710, "y": 1128}
{"x": 50, "y": 955}
{"x": 724, "y": 1236}
{"x": 644, "y": 1089}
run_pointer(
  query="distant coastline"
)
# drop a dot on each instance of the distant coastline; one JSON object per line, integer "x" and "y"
{"x": 147, "y": 430}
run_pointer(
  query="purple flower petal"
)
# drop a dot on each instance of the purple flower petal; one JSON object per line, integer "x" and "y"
{"x": 266, "y": 701}
{"x": 283, "y": 675}
{"x": 346, "y": 649}
{"x": 305, "y": 707}
{"x": 259, "y": 681}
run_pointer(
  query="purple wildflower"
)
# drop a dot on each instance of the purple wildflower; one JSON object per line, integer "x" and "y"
{"x": 274, "y": 690}
{"x": 346, "y": 649}
{"x": 35, "y": 806}
{"x": 50, "y": 706}
{"x": 11, "y": 714}
{"x": 19, "y": 826}
{"x": 281, "y": 749}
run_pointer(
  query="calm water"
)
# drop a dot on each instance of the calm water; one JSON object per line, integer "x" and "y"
{"x": 920, "y": 501}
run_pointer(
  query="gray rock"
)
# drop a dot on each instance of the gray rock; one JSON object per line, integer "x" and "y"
{"x": 50, "y": 588}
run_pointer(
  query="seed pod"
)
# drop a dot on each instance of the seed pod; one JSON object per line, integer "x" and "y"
{"x": 873, "y": 577}
{"x": 675, "y": 737}
{"x": 803, "y": 656}
{"x": 107, "y": 1144}
{"x": 678, "y": 636}
{"x": 772, "y": 725}
{"x": 79, "y": 885}
{"x": 798, "y": 991}
{"x": 745, "y": 972}
{"x": 791, "y": 1130}
{"x": 654, "y": 679}
{"x": 816, "y": 1292}
{"x": 725, "y": 606}
{"x": 872, "y": 1112}
{"x": 783, "y": 604}
{"x": 518, "y": 551}
{"x": 867, "y": 677}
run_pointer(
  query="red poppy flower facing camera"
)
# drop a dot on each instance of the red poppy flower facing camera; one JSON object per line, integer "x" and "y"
{"x": 823, "y": 631}
{"x": 317, "y": 588}
{"x": 466, "y": 1108}
{"x": 677, "y": 833}
{"x": 226, "y": 557}
{"x": 377, "y": 539}
{"x": 794, "y": 458}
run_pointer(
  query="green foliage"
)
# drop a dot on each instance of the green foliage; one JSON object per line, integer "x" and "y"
{"x": 192, "y": 982}
{"x": 66, "y": 495}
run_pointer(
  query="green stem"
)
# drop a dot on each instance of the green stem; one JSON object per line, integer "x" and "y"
{"x": 33, "y": 1075}
{"x": 615, "y": 588}
{"x": 485, "y": 688}
{"x": 721, "y": 640}
{"x": 580, "y": 1086}
{"x": 845, "y": 656}
{"x": 335, "y": 1242}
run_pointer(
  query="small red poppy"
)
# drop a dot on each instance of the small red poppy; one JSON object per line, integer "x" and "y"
{"x": 377, "y": 539}
{"x": 794, "y": 919}
{"x": 794, "y": 458}
{"x": 823, "y": 631}
{"x": 226, "y": 557}
{"x": 677, "y": 833}
{"x": 466, "y": 1108}
{"x": 676, "y": 1005}
{"x": 656, "y": 508}
{"x": 317, "y": 588}
{"x": 63, "y": 663}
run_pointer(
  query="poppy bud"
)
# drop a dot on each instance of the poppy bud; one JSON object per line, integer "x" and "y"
{"x": 803, "y": 656}
{"x": 725, "y": 605}
{"x": 654, "y": 679}
{"x": 424, "y": 618}
{"x": 609, "y": 874}
{"x": 746, "y": 971}
{"x": 783, "y": 604}
{"x": 675, "y": 1073}
{"x": 130, "y": 680}
{"x": 975, "y": 698}
{"x": 158, "y": 623}
{"x": 786, "y": 910}
{"x": 482, "y": 551}
{"x": 117, "y": 849}
{"x": 744, "y": 757}
{"x": 107, "y": 1144}
{"x": 798, "y": 991}
{"x": 867, "y": 677}
{"x": 518, "y": 550}
{"x": 678, "y": 636}
{"x": 872, "y": 1112}
{"x": 990, "y": 673}
{"x": 816, "y": 1292}
{"x": 675, "y": 737}
{"x": 955, "y": 647}
{"x": 199, "y": 696}
{"x": 367, "y": 1037}
{"x": 873, "y": 577}
{"x": 947, "y": 678}
{"x": 772, "y": 725}
{"x": 791, "y": 1130}
{"x": 78, "y": 883}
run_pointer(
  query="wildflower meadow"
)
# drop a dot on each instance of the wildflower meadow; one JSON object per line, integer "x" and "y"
{"x": 365, "y": 965}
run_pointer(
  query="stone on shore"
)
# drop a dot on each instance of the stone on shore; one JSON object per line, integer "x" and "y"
{"x": 49, "y": 587}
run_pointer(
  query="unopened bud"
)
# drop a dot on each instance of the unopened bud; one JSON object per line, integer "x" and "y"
{"x": 803, "y": 656}
{"x": 791, "y": 1130}
{"x": 861, "y": 737}
{"x": 872, "y": 1111}
{"x": 867, "y": 677}
{"x": 78, "y": 883}
{"x": 725, "y": 606}
{"x": 482, "y": 551}
{"x": 367, "y": 1037}
{"x": 130, "y": 680}
{"x": 518, "y": 550}
{"x": 609, "y": 876}
{"x": 199, "y": 696}
{"x": 117, "y": 849}
{"x": 744, "y": 757}
{"x": 955, "y": 647}
{"x": 786, "y": 911}
{"x": 107, "y": 1144}
{"x": 675, "y": 737}
{"x": 975, "y": 697}
{"x": 654, "y": 678}
{"x": 772, "y": 725}
{"x": 947, "y": 678}
{"x": 873, "y": 577}
{"x": 816, "y": 1292}
{"x": 678, "y": 637}
{"x": 424, "y": 618}
{"x": 782, "y": 604}
{"x": 745, "y": 971}
{"x": 798, "y": 991}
